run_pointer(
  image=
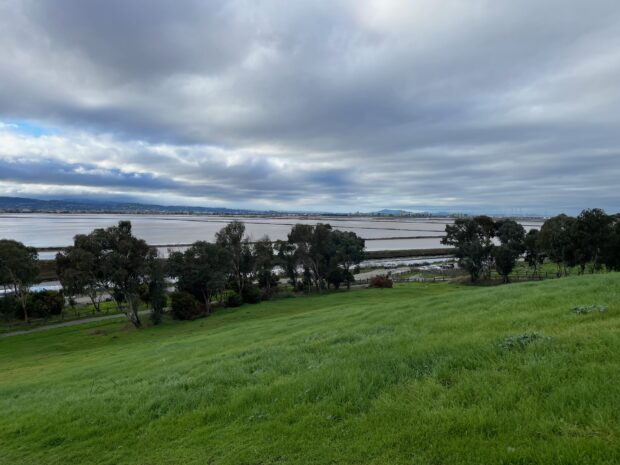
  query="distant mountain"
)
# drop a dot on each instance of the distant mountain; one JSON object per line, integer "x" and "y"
{"x": 424, "y": 214}
{"x": 390, "y": 212}
{"x": 27, "y": 205}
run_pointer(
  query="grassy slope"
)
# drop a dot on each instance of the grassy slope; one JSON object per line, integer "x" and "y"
{"x": 409, "y": 375}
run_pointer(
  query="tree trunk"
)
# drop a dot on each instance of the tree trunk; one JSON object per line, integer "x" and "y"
{"x": 25, "y": 309}
{"x": 207, "y": 302}
{"x": 132, "y": 311}
{"x": 94, "y": 301}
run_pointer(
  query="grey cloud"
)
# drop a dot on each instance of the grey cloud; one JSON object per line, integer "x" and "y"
{"x": 354, "y": 103}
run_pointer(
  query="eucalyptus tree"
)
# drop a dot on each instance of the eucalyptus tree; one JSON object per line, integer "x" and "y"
{"x": 557, "y": 241}
{"x": 592, "y": 230}
{"x": 125, "y": 265}
{"x": 534, "y": 255}
{"x": 264, "y": 262}
{"x": 611, "y": 252}
{"x": 313, "y": 250}
{"x": 512, "y": 244}
{"x": 348, "y": 251}
{"x": 232, "y": 237}
{"x": 80, "y": 267}
{"x": 202, "y": 270}
{"x": 288, "y": 260}
{"x": 473, "y": 240}
{"x": 19, "y": 269}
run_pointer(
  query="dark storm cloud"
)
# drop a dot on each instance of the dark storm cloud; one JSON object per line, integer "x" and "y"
{"x": 348, "y": 104}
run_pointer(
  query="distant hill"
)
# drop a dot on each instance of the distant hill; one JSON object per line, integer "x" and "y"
{"x": 424, "y": 214}
{"x": 26, "y": 205}
{"x": 30, "y": 205}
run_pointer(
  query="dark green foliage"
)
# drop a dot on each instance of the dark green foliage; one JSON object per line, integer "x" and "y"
{"x": 267, "y": 294}
{"x": 156, "y": 287}
{"x": 336, "y": 276}
{"x": 234, "y": 300}
{"x": 125, "y": 265}
{"x": 268, "y": 281}
{"x": 348, "y": 251}
{"x": 264, "y": 261}
{"x": 611, "y": 251}
{"x": 202, "y": 270}
{"x": 511, "y": 234}
{"x": 46, "y": 303}
{"x": 505, "y": 260}
{"x": 323, "y": 252}
{"x": 81, "y": 267}
{"x": 556, "y": 239}
{"x": 591, "y": 236}
{"x": 184, "y": 306}
{"x": 534, "y": 255}
{"x": 312, "y": 250}
{"x": 251, "y": 294}
{"x": 9, "y": 307}
{"x": 512, "y": 238}
{"x": 232, "y": 238}
{"x": 110, "y": 259}
{"x": 473, "y": 241}
{"x": 288, "y": 260}
{"x": 19, "y": 269}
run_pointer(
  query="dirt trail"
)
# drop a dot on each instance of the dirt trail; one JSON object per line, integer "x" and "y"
{"x": 68, "y": 323}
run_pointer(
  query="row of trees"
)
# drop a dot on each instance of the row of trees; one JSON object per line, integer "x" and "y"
{"x": 113, "y": 262}
{"x": 313, "y": 256}
{"x": 589, "y": 242}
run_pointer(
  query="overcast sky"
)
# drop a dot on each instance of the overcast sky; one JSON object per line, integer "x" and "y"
{"x": 498, "y": 105}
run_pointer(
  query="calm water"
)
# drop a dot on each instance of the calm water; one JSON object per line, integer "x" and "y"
{"x": 57, "y": 230}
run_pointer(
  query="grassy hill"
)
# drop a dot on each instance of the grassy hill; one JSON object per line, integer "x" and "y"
{"x": 424, "y": 373}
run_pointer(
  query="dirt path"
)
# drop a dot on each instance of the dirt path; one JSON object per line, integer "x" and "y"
{"x": 68, "y": 323}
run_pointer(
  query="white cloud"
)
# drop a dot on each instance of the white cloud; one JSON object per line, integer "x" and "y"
{"x": 322, "y": 105}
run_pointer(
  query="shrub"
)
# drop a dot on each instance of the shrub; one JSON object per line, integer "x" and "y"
{"x": 381, "y": 281}
{"x": 234, "y": 300}
{"x": 184, "y": 306}
{"x": 46, "y": 303}
{"x": 251, "y": 295}
{"x": 9, "y": 307}
{"x": 267, "y": 294}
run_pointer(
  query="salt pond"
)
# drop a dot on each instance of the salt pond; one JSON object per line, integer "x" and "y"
{"x": 57, "y": 230}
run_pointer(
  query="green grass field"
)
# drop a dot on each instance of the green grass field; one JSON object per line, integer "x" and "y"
{"x": 418, "y": 374}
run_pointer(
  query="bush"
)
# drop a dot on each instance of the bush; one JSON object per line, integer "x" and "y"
{"x": 9, "y": 307}
{"x": 267, "y": 294}
{"x": 234, "y": 300}
{"x": 251, "y": 295}
{"x": 45, "y": 303}
{"x": 381, "y": 281}
{"x": 184, "y": 306}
